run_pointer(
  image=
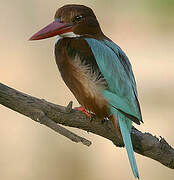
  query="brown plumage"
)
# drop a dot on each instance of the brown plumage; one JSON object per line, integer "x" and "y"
{"x": 87, "y": 25}
{"x": 84, "y": 83}
{"x": 75, "y": 59}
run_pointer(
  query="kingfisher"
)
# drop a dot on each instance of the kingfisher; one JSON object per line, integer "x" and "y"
{"x": 96, "y": 70}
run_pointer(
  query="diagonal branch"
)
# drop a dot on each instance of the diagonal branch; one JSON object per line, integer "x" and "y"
{"x": 43, "y": 119}
{"x": 50, "y": 114}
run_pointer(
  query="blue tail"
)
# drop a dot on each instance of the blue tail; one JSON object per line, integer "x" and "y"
{"x": 125, "y": 127}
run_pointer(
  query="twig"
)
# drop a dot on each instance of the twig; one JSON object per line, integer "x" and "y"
{"x": 43, "y": 119}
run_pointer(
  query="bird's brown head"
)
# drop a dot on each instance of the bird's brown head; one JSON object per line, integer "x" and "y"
{"x": 71, "y": 21}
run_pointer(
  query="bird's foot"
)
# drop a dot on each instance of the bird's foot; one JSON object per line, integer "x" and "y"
{"x": 90, "y": 115}
{"x": 83, "y": 110}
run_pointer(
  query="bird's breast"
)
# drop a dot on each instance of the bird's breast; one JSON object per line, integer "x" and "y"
{"x": 86, "y": 85}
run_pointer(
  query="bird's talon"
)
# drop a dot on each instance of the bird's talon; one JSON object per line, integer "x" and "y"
{"x": 82, "y": 109}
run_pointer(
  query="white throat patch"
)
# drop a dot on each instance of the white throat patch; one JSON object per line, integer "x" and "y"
{"x": 69, "y": 34}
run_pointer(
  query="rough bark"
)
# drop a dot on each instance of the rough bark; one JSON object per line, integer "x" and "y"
{"x": 52, "y": 115}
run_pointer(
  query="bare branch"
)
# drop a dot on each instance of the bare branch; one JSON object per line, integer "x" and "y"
{"x": 50, "y": 114}
{"x": 43, "y": 119}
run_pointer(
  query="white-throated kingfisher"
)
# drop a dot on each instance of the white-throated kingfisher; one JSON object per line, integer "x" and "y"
{"x": 96, "y": 70}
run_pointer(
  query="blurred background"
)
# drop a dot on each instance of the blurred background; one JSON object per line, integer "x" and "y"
{"x": 28, "y": 151}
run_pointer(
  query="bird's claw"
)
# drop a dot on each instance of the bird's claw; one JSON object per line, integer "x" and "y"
{"x": 90, "y": 115}
{"x": 82, "y": 109}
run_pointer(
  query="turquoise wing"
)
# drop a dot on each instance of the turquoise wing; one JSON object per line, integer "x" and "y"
{"x": 117, "y": 70}
{"x": 124, "y": 61}
{"x": 121, "y": 93}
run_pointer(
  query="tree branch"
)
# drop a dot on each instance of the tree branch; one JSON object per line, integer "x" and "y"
{"x": 51, "y": 115}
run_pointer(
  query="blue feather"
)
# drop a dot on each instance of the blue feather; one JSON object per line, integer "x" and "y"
{"x": 121, "y": 93}
{"x": 124, "y": 61}
{"x": 125, "y": 127}
{"x": 116, "y": 76}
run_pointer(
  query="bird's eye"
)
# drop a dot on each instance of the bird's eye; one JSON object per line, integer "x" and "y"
{"x": 77, "y": 19}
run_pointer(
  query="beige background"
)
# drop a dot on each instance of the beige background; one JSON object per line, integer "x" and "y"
{"x": 28, "y": 151}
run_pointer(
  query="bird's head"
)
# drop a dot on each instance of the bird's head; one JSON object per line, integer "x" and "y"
{"x": 71, "y": 21}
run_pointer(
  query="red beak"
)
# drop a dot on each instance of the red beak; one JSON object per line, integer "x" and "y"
{"x": 53, "y": 29}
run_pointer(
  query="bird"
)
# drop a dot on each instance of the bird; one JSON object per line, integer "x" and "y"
{"x": 96, "y": 70}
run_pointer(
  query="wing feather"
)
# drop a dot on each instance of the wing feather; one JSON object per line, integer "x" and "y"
{"x": 116, "y": 69}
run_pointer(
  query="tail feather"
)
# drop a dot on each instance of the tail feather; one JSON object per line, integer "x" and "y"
{"x": 125, "y": 127}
